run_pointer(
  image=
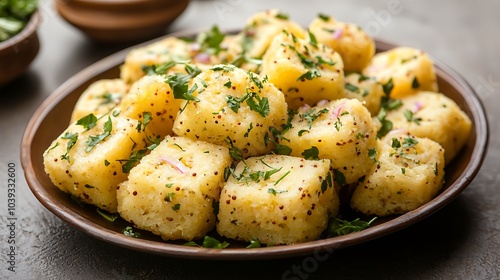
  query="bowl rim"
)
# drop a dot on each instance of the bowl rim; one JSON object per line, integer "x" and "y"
{"x": 480, "y": 123}
{"x": 30, "y": 28}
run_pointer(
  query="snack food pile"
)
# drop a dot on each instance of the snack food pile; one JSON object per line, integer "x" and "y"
{"x": 254, "y": 135}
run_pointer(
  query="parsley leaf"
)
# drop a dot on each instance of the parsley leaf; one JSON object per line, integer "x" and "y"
{"x": 73, "y": 137}
{"x": 310, "y": 116}
{"x": 210, "y": 41}
{"x": 92, "y": 141}
{"x": 410, "y": 118}
{"x": 88, "y": 122}
{"x": 258, "y": 104}
{"x": 129, "y": 231}
{"x": 311, "y": 153}
{"x": 338, "y": 227}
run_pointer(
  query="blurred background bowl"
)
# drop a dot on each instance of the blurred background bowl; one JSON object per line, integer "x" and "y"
{"x": 17, "y": 53}
{"x": 111, "y": 21}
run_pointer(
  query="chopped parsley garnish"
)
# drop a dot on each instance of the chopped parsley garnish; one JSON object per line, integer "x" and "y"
{"x": 324, "y": 17}
{"x": 88, "y": 122}
{"x": 176, "y": 207}
{"x": 258, "y": 104}
{"x": 282, "y": 177}
{"x": 310, "y": 116}
{"x": 89, "y": 186}
{"x": 106, "y": 162}
{"x": 415, "y": 84}
{"x": 254, "y": 243}
{"x": 372, "y": 153}
{"x": 311, "y": 153}
{"x": 134, "y": 158}
{"x": 351, "y": 87}
{"x": 282, "y": 16}
{"x": 223, "y": 67}
{"x": 169, "y": 185}
{"x": 312, "y": 40}
{"x": 410, "y": 117}
{"x": 108, "y": 216}
{"x": 339, "y": 177}
{"x": 275, "y": 192}
{"x": 338, "y": 227}
{"x": 209, "y": 242}
{"x": 169, "y": 197}
{"x": 234, "y": 102}
{"x": 235, "y": 152}
{"x": 92, "y": 141}
{"x": 210, "y": 41}
{"x": 386, "y": 124}
{"x": 327, "y": 182}
{"x": 409, "y": 142}
{"x": 179, "y": 83}
{"x": 73, "y": 137}
{"x": 228, "y": 84}
{"x": 129, "y": 231}
{"x": 248, "y": 131}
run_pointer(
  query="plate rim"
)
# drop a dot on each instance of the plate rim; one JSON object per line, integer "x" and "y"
{"x": 480, "y": 122}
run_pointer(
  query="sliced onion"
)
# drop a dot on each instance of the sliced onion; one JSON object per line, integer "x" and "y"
{"x": 203, "y": 58}
{"x": 338, "y": 33}
{"x": 322, "y": 102}
{"x": 336, "y": 112}
{"x": 418, "y": 106}
{"x": 179, "y": 166}
{"x": 194, "y": 47}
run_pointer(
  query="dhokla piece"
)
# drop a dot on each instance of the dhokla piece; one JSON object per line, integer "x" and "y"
{"x": 353, "y": 44}
{"x": 340, "y": 130}
{"x": 232, "y": 108}
{"x": 435, "y": 116}
{"x": 366, "y": 89}
{"x": 261, "y": 28}
{"x": 409, "y": 173}
{"x": 277, "y": 199}
{"x": 304, "y": 70}
{"x": 408, "y": 70}
{"x": 163, "y": 51}
{"x": 151, "y": 101}
{"x": 99, "y": 98}
{"x": 89, "y": 159}
{"x": 172, "y": 192}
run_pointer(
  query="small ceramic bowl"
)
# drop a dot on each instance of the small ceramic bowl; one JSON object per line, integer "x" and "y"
{"x": 121, "y": 20}
{"x": 17, "y": 53}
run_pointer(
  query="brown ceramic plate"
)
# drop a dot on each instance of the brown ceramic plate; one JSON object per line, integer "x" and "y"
{"x": 53, "y": 115}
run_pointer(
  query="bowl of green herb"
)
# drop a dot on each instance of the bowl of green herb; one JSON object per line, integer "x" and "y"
{"x": 19, "y": 44}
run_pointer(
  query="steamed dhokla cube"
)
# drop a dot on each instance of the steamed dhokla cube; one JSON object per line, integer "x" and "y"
{"x": 277, "y": 200}
{"x": 435, "y": 116}
{"x": 353, "y": 44}
{"x": 173, "y": 190}
{"x": 408, "y": 174}
{"x": 151, "y": 101}
{"x": 163, "y": 51}
{"x": 365, "y": 89}
{"x": 262, "y": 27}
{"x": 304, "y": 70}
{"x": 91, "y": 157}
{"x": 407, "y": 70}
{"x": 340, "y": 130}
{"x": 233, "y": 108}
{"x": 99, "y": 98}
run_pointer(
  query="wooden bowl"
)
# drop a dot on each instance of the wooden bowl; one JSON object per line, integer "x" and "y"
{"x": 121, "y": 20}
{"x": 17, "y": 53}
{"x": 52, "y": 117}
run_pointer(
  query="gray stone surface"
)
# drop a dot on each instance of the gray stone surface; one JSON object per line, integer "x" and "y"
{"x": 461, "y": 241}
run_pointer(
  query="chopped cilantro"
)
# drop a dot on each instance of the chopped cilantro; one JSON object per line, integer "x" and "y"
{"x": 324, "y": 17}
{"x": 73, "y": 137}
{"x": 410, "y": 117}
{"x": 339, "y": 177}
{"x": 338, "y": 227}
{"x": 311, "y": 153}
{"x": 88, "y": 122}
{"x": 108, "y": 216}
{"x": 176, "y": 207}
{"x": 92, "y": 141}
{"x": 129, "y": 231}
{"x": 210, "y": 41}
{"x": 415, "y": 84}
